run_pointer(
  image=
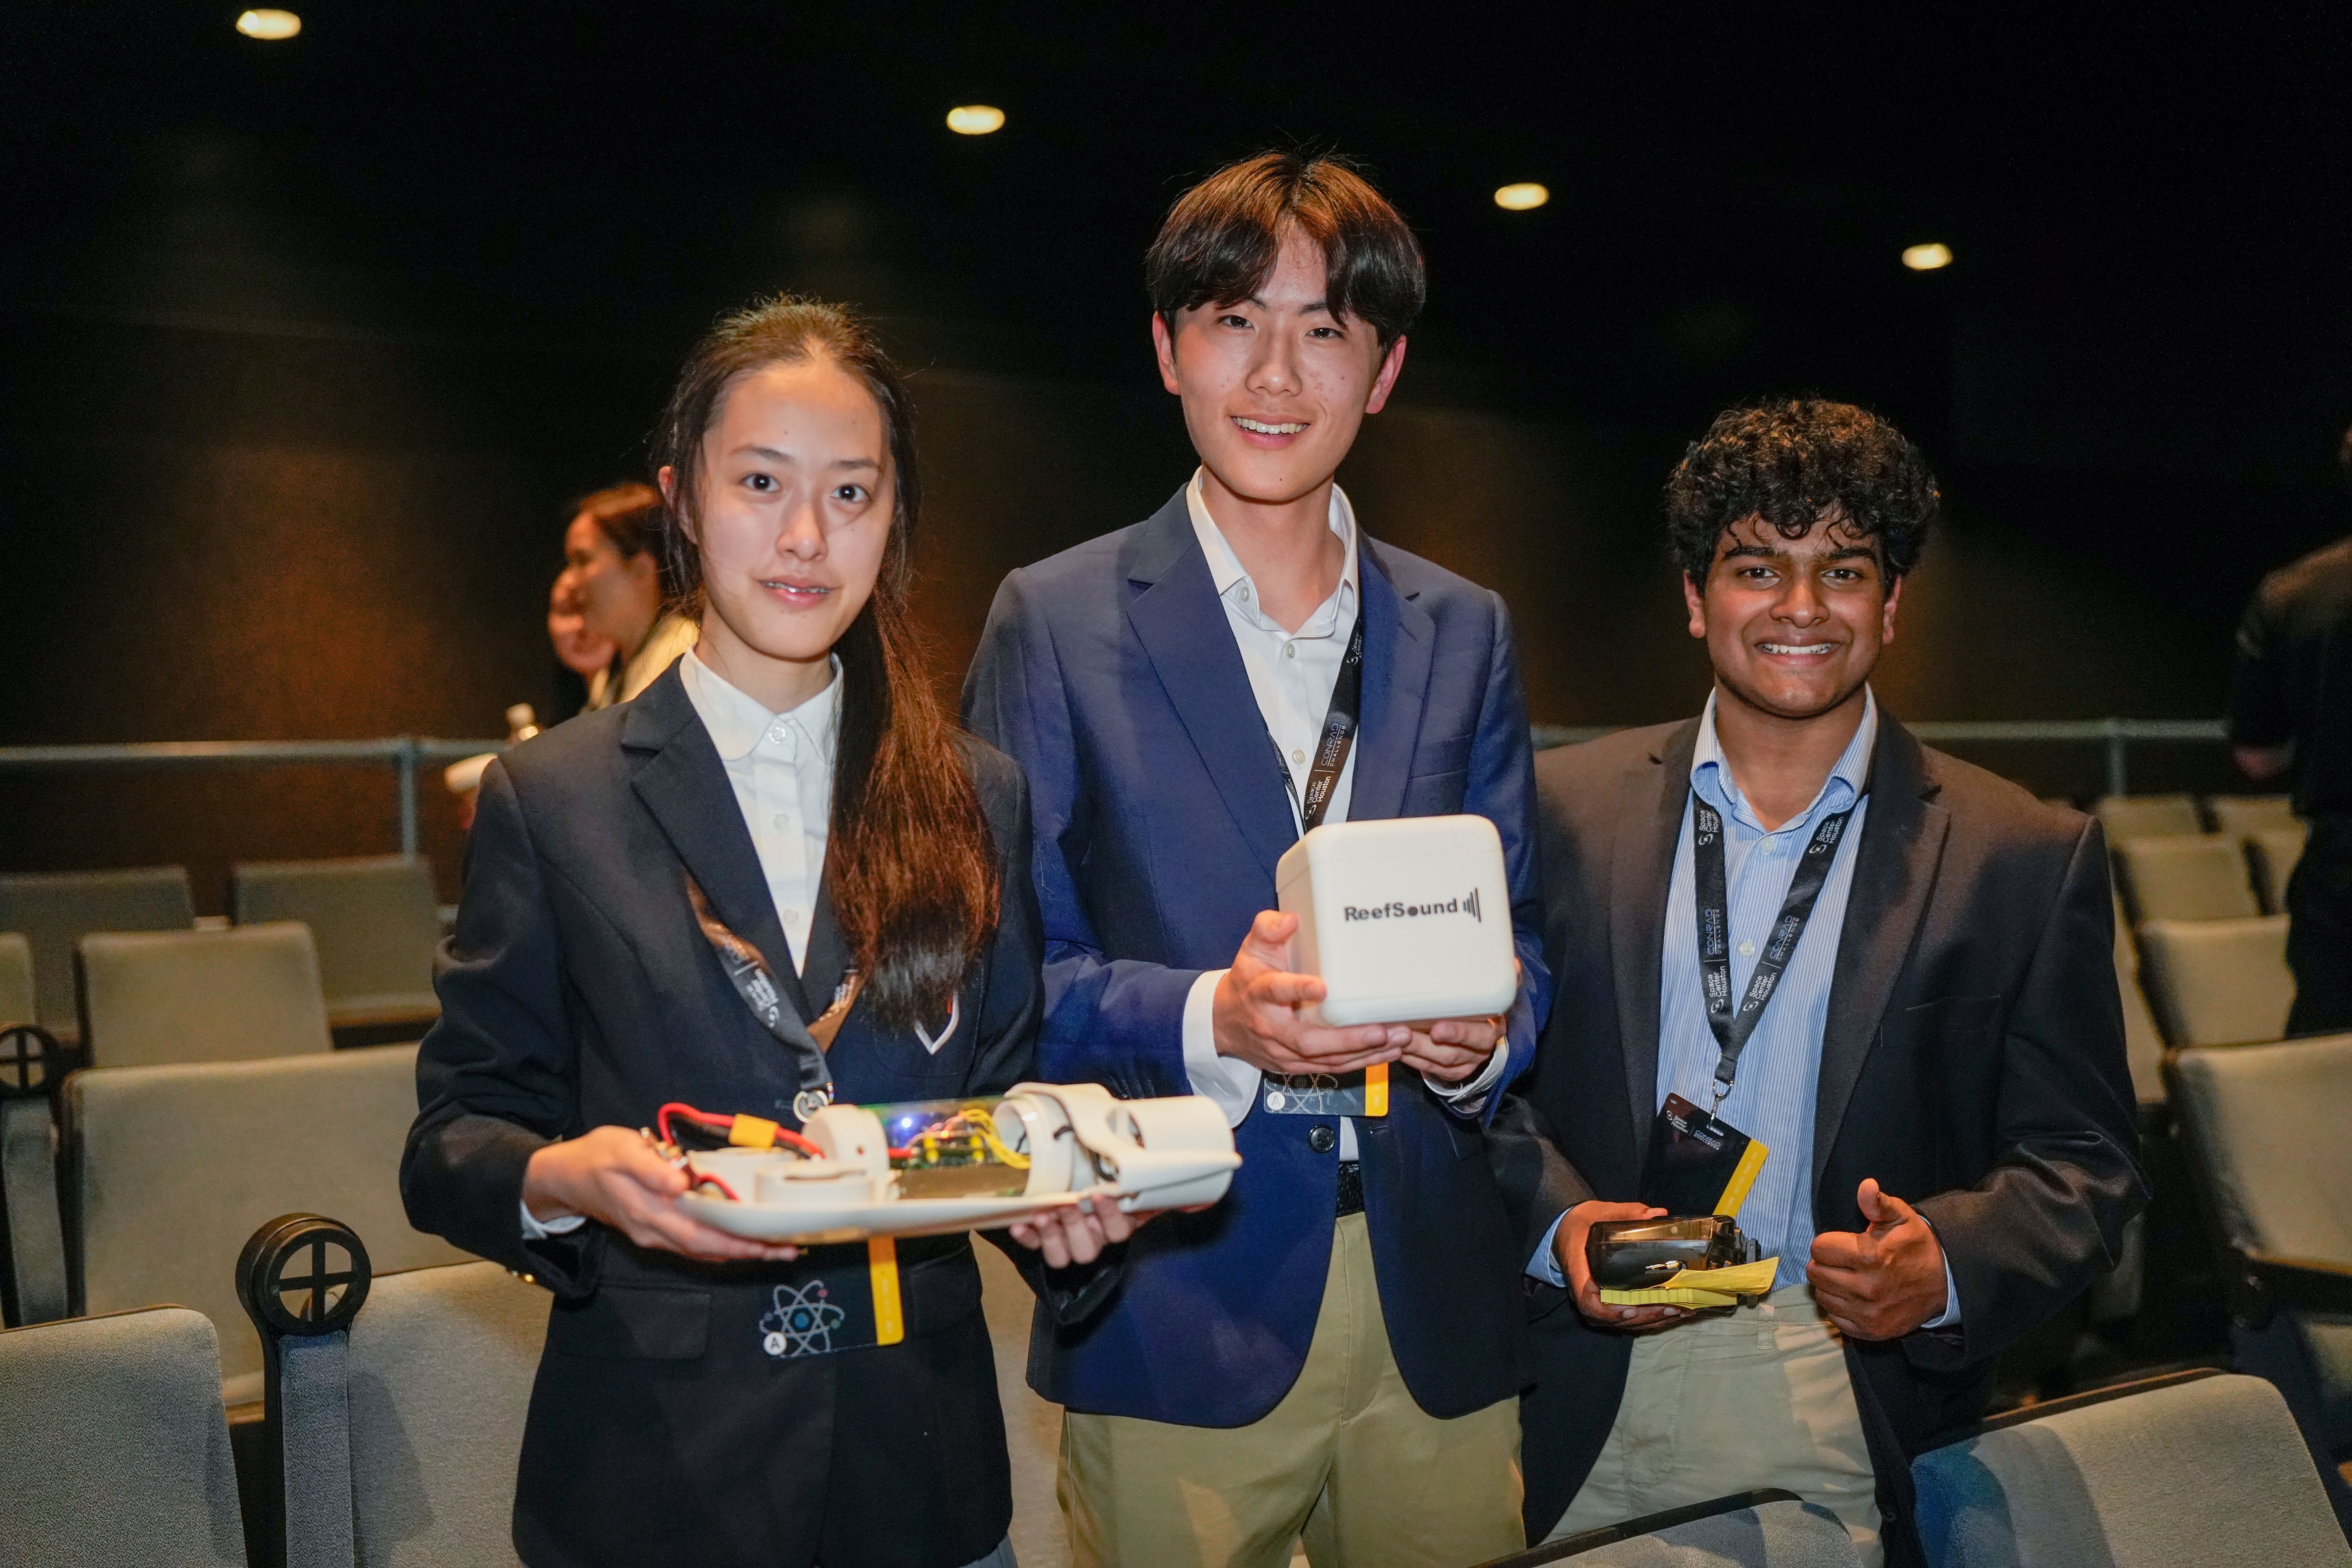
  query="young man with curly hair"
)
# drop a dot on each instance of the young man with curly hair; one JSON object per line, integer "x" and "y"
{"x": 1891, "y": 969}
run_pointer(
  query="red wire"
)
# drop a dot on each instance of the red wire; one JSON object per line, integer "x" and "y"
{"x": 726, "y": 1123}
{"x": 700, "y": 1180}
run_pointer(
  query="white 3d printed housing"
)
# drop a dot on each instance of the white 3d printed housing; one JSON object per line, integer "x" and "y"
{"x": 1404, "y": 919}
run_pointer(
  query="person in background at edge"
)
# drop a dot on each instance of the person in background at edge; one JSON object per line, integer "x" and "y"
{"x": 580, "y": 654}
{"x": 703, "y": 1398}
{"x": 1938, "y": 1067}
{"x": 614, "y": 574}
{"x": 1337, "y": 1349}
{"x": 2291, "y": 706}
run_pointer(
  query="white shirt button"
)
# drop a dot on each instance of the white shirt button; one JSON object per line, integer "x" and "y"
{"x": 1246, "y": 593}
{"x": 793, "y": 918}
{"x": 1747, "y": 950}
{"x": 1290, "y": 650}
{"x": 1297, "y": 756}
{"x": 783, "y": 819}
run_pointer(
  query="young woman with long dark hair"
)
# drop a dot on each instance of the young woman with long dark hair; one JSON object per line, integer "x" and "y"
{"x": 792, "y": 783}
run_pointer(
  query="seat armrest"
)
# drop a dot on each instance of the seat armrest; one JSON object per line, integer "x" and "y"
{"x": 2296, "y": 1284}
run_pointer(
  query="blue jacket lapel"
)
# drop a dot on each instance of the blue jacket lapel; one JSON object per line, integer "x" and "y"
{"x": 1180, "y": 623}
{"x": 682, "y": 782}
{"x": 1399, "y": 638}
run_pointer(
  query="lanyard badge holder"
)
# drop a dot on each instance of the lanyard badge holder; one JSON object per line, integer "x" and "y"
{"x": 1364, "y": 1093}
{"x": 1700, "y": 1167}
{"x": 747, "y": 970}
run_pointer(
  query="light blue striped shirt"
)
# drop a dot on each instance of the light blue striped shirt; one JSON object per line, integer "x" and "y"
{"x": 1779, "y": 1072}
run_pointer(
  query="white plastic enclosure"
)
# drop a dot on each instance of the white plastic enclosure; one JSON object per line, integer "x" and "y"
{"x": 1404, "y": 919}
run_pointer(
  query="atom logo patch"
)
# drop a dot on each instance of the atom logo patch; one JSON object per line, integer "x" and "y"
{"x": 799, "y": 1322}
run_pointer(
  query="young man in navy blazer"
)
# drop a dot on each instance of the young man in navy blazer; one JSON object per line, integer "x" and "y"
{"x": 1335, "y": 1350}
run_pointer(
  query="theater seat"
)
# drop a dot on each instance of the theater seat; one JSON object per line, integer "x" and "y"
{"x": 167, "y": 1170}
{"x": 1752, "y": 1529}
{"x": 2127, "y": 817}
{"x": 2143, "y": 1043}
{"x": 396, "y": 1405}
{"x": 2243, "y": 815}
{"x": 15, "y": 978}
{"x": 2265, "y": 1131}
{"x": 2194, "y": 1469}
{"x": 55, "y": 910}
{"x": 118, "y": 1451}
{"x": 374, "y": 920}
{"x": 2200, "y": 877}
{"x": 2218, "y": 983}
{"x": 2274, "y": 852}
{"x": 151, "y": 997}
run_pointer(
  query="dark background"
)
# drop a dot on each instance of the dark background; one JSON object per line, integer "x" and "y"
{"x": 310, "y": 343}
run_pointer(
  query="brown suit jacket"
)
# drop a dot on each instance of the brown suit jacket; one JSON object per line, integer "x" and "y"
{"x": 1972, "y": 1061}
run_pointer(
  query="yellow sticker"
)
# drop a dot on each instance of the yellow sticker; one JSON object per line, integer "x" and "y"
{"x": 1376, "y": 1090}
{"x": 1743, "y": 1176}
{"x": 882, "y": 1261}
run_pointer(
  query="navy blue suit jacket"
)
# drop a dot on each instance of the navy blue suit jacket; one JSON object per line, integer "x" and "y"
{"x": 1109, "y": 673}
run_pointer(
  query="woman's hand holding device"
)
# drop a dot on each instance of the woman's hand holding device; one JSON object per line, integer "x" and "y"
{"x": 612, "y": 1175}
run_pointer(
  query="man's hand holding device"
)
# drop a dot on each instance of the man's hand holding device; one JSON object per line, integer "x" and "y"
{"x": 1567, "y": 1246}
{"x": 1256, "y": 1012}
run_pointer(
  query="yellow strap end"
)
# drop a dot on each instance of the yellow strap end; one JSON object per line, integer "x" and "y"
{"x": 1376, "y": 1090}
{"x": 754, "y": 1133}
{"x": 889, "y": 1318}
{"x": 1743, "y": 1176}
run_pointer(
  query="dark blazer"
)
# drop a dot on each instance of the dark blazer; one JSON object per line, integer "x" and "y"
{"x": 1972, "y": 1061}
{"x": 577, "y": 992}
{"x": 1110, "y": 674}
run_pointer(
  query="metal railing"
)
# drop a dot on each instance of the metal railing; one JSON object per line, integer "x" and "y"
{"x": 407, "y": 754}
{"x": 2117, "y": 735}
{"x": 404, "y": 754}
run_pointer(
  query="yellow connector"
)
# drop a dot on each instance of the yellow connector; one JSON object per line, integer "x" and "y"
{"x": 754, "y": 1133}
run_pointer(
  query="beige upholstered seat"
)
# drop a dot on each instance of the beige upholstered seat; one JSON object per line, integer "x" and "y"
{"x": 118, "y": 1448}
{"x": 202, "y": 995}
{"x": 2190, "y": 1470}
{"x": 2275, "y": 851}
{"x": 55, "y": 910}
{"x": 2143, "y": 1042}
{"x": 434, "y": 1384}
{"x": 171, "y": 1168}
{"x": 2266, "y": 1125}
{"x": 2243, "y": 815}
{"x": 2218, "y": 983}
{"x": 374, "y": 920}
{"x": 2200, "y": 877}
{"x": 16, "y": 979}
{"x": 2127, "y": 817}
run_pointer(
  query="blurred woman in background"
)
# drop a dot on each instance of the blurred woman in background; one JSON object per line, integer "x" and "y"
{"x": 611, "y": 576}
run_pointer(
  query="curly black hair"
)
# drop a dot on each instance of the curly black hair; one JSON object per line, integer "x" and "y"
{"x": 1793, "y": 462}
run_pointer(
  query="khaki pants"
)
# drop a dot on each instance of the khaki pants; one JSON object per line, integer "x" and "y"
{"x": 1347, "y": 1461}
{"x": 1719, "y": 1406}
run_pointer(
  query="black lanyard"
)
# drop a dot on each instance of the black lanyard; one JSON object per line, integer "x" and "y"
{"x": 1732, "y": 1030}
{"x": 748, "y": 972}
{"x": 1339, "y": 738}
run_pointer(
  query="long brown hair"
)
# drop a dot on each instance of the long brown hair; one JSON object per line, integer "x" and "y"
{"x": 910, "y": 862}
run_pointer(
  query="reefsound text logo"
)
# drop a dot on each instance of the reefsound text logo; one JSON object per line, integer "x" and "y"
{"x": 1467, "y": 904}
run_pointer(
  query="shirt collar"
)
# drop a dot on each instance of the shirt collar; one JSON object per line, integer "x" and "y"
{"x": 737, "y": 721}
{"x": 1711, "y": 778}
{"x": 1225, "y": 568}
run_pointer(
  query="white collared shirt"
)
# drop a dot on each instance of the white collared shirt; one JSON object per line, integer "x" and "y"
{"x": 1292, "y": 673}
{"x": 781, "y": 768}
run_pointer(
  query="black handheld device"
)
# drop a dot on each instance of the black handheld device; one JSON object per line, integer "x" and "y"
{"x": 1643, "y": 1254}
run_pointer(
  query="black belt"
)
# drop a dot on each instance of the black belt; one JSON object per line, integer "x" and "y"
{"x": 1351, "y": 1188}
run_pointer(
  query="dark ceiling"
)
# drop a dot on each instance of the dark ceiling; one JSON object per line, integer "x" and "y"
{"x": 2150, "y": 216}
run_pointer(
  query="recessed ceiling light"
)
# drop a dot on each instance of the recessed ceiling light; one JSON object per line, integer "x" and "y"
{"x": 269, "y": 25}
{"x": 1926, "y": 258}
{"x": 975, "y": 120}
{"x": 1523, "y": 197}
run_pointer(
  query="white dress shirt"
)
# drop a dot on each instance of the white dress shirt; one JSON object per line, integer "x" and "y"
{"x": 781, "y": 767}
{"x": 1292, "y": 673}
